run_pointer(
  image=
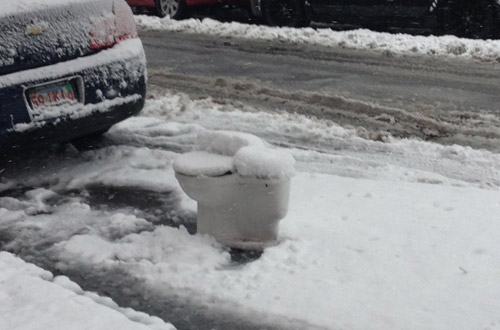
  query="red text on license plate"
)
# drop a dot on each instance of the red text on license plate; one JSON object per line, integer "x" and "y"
{"x": 52, "y": 95}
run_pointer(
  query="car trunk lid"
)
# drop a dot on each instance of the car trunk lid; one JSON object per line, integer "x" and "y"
{"x": 36, "y": 33}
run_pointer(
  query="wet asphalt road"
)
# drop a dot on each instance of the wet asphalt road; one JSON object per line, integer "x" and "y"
{"x": 439, "y": 99}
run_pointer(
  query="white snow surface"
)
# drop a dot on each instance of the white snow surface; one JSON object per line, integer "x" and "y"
{"x": 396, "y": 235}
{"x": 33, "y": 299}
{"x": 400, "y": 43}
{"x": 226, "y": 142}
{"x": 263, "y": 163}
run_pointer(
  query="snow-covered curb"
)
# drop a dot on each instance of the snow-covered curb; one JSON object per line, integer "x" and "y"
{"x": 32, "y": 298}
{"x": 401, "y": 44}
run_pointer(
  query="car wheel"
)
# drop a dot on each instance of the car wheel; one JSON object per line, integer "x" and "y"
{"x": 471, "y": 19}
{"x": 285, "y": 13}
{"x": 175, "y": 9}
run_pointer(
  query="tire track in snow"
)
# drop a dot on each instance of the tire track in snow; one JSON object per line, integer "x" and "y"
{"x": 479, "y": 129}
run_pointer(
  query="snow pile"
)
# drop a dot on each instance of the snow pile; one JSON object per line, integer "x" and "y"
{"x": 176, "y": 250}
{"x": 122, "y": 167}
{"x": 262, "y": 163}
{"x": 402, "y": 44}
{"x": 33, "y": 299}
{"x": 227, "y": 142}
{"x": 226, "y": 152}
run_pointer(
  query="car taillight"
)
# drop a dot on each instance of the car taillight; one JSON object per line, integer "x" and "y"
{"x": 111, "y": 29}
{"x": 102, "y": 34}
{"x": 124, "y": 21}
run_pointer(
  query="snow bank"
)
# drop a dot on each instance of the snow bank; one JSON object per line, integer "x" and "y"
{"x": 226, "y": 152}
{"x": 33, "y": 299}
{"x": 317, "y": 145}
{"x": 402, "y": 44}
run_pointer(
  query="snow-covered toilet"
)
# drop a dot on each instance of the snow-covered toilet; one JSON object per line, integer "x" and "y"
{"x": 241, "y": 186}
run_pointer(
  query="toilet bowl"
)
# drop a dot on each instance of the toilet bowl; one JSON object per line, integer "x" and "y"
{"x": 238, "y": 212}
{"x": 242, "y": 188}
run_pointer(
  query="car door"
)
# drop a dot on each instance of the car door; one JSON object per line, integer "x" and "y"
{"x": 368, "y": 13}
{"x": 375, "y": 13}
{"x": 335, "y": 11}
{"x": 410, "y": 13}
{"x": 371, "y": 13}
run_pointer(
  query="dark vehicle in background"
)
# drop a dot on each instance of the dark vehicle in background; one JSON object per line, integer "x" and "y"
{"x": 177, "y": 9}
{"x": 464, "y": 18}
{"x": 68, "y": 69}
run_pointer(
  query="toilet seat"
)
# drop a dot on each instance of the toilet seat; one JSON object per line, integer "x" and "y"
{"x": 202, "y": 163}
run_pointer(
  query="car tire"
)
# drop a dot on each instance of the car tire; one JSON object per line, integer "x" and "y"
{"x": 285, "y": 13}
{"x": 471, "y": 19}
{"x": 176, "y": 9}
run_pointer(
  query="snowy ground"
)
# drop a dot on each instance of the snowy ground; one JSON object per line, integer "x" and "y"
{"x": 32, "y": 298}
{"x": 388, "y": 235}
{"x": 389, "y": 43}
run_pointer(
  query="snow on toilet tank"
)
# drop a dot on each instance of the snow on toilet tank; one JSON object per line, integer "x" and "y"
{"x": 225, "y": 152}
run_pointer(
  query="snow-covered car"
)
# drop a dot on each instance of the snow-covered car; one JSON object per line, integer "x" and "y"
{"x": 464, "y": 18}
{"x": 68, "y": 69}
{"x": 177, "y": 9}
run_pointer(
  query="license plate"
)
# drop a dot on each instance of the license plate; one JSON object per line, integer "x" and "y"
{"x": 52, "y": 95}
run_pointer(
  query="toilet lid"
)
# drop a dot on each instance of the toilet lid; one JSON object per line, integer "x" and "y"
{"x": 201, "y": 163}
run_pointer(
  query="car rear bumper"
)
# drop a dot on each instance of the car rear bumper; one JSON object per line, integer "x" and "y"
{"x": 114, "y": 87}
{"x": 70, "y": 129}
